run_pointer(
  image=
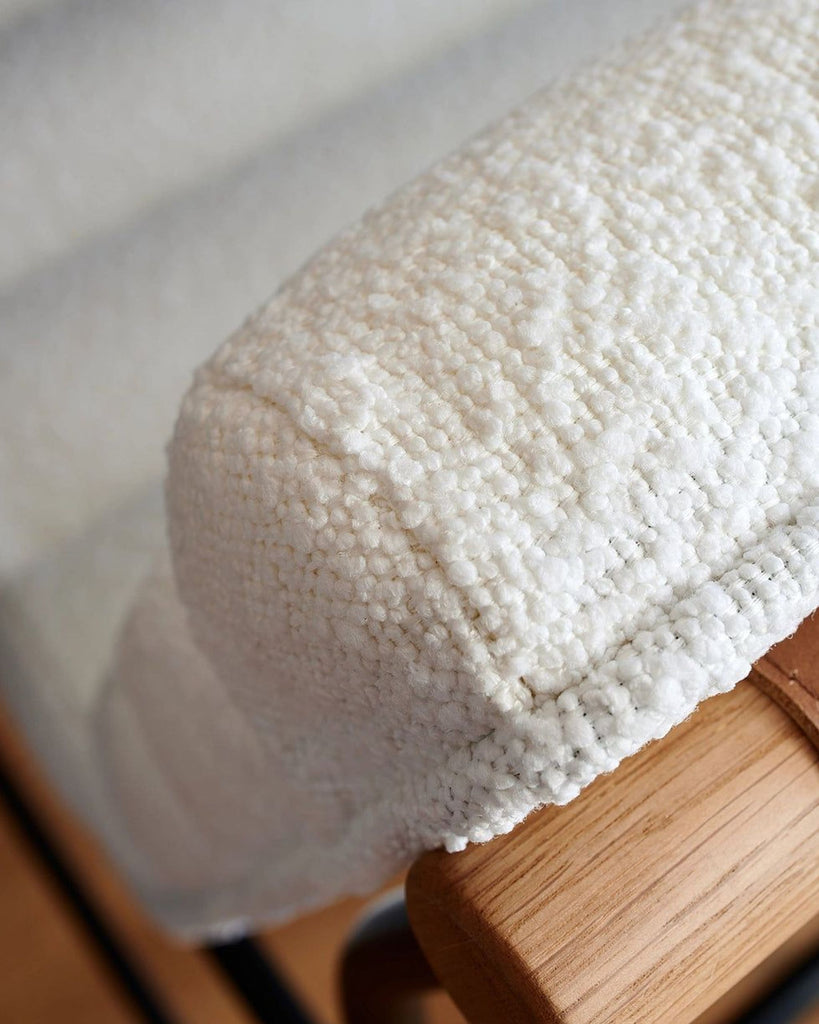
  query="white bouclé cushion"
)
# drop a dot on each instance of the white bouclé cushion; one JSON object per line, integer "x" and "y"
{"x": 522, "y": 467}
{"x": 99, "y": 342}
{"x": 100, "y": 338}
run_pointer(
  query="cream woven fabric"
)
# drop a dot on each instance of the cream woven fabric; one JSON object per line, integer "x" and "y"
{"x": 519, "y": 469}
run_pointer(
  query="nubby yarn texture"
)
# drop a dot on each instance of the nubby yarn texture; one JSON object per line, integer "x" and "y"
{"x": 522, "y": 467}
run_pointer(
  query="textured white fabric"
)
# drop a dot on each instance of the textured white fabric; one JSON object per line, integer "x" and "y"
{"x": 172, "y": 762}
{"x": 101, "y": 341}
{"x": 96, "y": 347}
{"x": 522, "y": 467}
{"x": 132, "y": 101}
{"x": 58, "y": 624}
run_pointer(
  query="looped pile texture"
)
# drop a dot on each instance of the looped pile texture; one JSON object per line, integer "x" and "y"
{"x": 523, "y": 466}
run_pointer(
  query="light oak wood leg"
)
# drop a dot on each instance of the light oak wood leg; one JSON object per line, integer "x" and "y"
{"x": 648, "y": 898}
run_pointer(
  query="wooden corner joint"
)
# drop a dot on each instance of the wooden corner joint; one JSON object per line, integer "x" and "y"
{"x": 789, "y": 675}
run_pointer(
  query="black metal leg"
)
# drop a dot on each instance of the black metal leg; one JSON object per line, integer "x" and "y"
{"x": 251, "y": 973}
{"x": 383, "y": 970}
{"x": 790, "y": 999}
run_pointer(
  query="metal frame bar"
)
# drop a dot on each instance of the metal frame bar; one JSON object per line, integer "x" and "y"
{"x": 250, "y": 970}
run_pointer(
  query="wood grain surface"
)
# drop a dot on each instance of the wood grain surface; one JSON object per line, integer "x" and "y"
{"x": 651, "y": 896}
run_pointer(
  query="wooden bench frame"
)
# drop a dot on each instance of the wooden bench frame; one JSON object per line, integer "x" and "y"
{"x": 679, "y": 889}
{"x": 671, "y": 890}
